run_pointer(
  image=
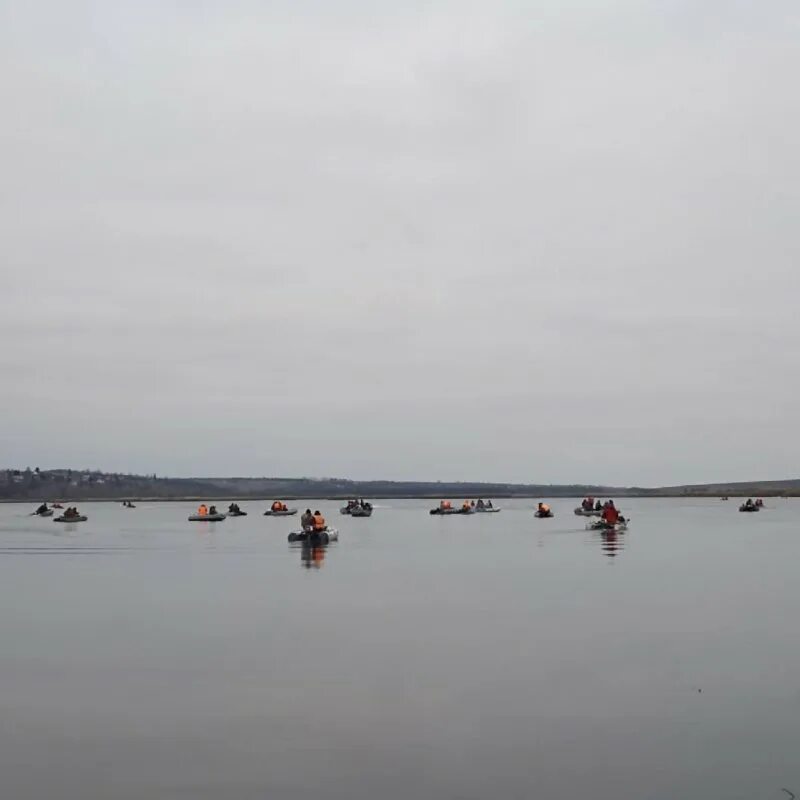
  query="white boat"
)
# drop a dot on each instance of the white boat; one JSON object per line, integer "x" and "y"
{"x": 583, "y": 512}
{"x": 315, "y": 537}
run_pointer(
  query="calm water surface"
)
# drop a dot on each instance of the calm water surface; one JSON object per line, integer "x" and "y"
{"x": 420, "y": 657}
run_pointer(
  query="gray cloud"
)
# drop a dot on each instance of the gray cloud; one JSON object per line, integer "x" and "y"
{"x": 469, "y": 240}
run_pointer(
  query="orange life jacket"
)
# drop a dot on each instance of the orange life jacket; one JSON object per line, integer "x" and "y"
{"x": 319, "y": 522}
{"x": 202, "y": 511}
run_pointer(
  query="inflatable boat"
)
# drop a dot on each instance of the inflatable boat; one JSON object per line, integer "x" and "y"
{"x": 78, "y": 518}
{"x": 315, "y": 537}
{"x": 207, "y": 517}
{"x": 601, "y": 525}
{"x": 290, "y": 512}
{"x": 583, "y": 512}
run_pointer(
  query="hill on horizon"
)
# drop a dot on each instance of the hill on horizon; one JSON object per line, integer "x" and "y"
{"x": 28, "y": 484}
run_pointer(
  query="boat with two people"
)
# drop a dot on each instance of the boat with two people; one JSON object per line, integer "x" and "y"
{"x": 749, "y": 506}
{"x": 279, "y": 509}
{"x": 314, "y": 530}
{"x": 446, "y": 508}
{"x": 485, "y": 507}
{"x": 71, "y": 515}
{"x": 235, "y": 511}
{"x": 206, "y": 514}
{"x": 589, "y": 508}
{"x": 543, "y": 511}
{"x": 127, "y": 504}
{"x": 42, "y": 511}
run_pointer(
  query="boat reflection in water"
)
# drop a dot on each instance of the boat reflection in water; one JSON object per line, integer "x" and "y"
{"x": 612, "y": 542}
{"x": 311, "y": 556}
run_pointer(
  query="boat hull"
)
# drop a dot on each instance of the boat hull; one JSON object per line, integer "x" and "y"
{"x": 314, "y": 538}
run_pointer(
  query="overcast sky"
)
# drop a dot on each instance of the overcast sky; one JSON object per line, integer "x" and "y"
{"x": 546, "y": 241}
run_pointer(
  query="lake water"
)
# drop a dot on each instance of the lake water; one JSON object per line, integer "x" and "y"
{"x": 491, "y": 656}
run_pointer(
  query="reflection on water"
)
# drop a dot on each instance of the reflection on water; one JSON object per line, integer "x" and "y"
{"x": 311, "y": 556}
{"x": 148, "y": 657}
{"x": 612, "y": 542}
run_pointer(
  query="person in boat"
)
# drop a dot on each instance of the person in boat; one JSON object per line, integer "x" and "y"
{"x": 213, "y": 510}
{"x": 319, "y": 522}
{"x": 759, "y": 502}
{"x": 610, "y": 513}
{"x": 587, "y": 504}
{"x": 202, "y": 510}
{"x": 598, "y": 506}
{"x": 480, "y": 503}
{"x": 489, "y": 504}
{"x": 466, "y": 506}
{"x": 445, "y": 505}
{"x": 749, "y": 503}
{"x": 307, "y": 520}
{"x": 544, "y": 509}
{"x": 42, "y": 508}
